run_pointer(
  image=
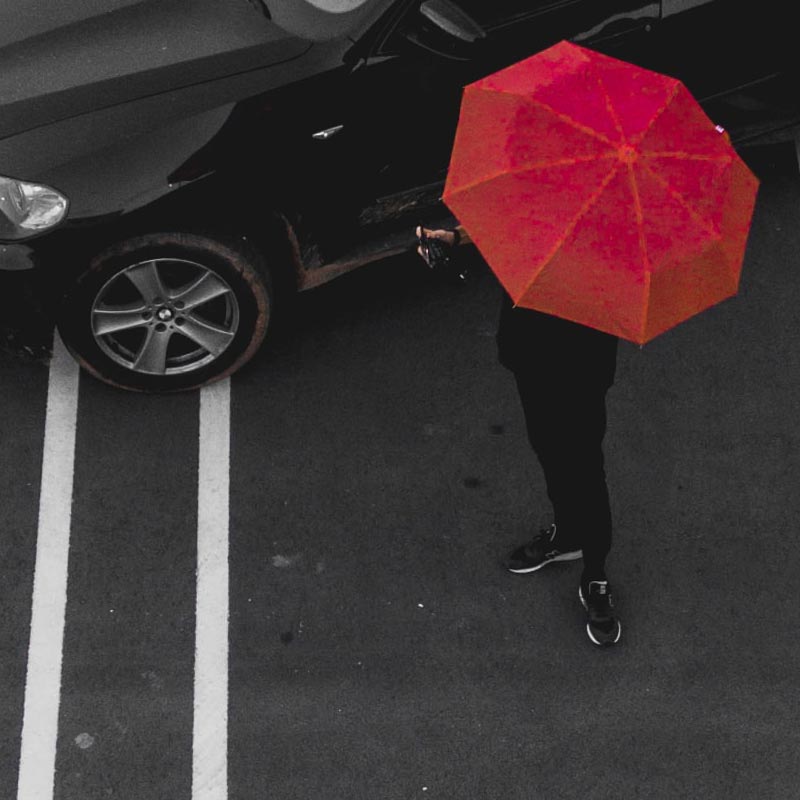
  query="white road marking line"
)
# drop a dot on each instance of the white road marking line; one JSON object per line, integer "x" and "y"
{"x": 210, "y": 735}
{"x": 43, "y": 679}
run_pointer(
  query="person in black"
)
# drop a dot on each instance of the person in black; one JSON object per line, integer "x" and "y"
{"x": 563, "y": 372}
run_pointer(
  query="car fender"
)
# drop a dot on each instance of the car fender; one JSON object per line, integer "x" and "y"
{"x": 102, "y": 178}
{"x": 117, "y": 158}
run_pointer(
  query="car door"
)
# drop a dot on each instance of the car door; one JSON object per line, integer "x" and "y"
{"x": 414, "y": 82}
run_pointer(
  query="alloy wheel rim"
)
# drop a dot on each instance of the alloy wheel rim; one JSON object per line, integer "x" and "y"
{"x": 165, "y": 316}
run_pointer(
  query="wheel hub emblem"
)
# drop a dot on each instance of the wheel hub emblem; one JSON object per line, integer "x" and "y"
{"x": 164, "y": 314}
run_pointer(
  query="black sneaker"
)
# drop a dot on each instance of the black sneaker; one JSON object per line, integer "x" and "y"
{"x": 542, "y": 550}
{"x": 602, "y": 624}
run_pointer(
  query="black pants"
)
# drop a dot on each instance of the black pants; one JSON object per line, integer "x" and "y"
{"x": 563, "y": 372}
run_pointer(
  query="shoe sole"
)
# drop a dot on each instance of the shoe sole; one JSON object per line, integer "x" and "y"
{"x": 574, "y": 556}
{"x": 589, "y": 630}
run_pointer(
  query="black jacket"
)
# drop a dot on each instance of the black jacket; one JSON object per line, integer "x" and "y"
{"x": 553, "y": 348}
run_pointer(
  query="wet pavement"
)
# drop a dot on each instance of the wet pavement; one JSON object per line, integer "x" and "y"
{"x": 379, "y": 472}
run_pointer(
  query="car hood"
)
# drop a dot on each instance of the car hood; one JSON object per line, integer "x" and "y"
{"x": 59, "y": 60}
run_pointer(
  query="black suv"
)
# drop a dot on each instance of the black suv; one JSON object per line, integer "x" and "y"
{"x": 169, "y": 167}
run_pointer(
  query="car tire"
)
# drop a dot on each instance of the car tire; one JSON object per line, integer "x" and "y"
{"x": 168, "y": 312}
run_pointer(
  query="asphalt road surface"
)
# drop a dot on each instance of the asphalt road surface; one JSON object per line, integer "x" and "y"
{"x": 288, "y": 585}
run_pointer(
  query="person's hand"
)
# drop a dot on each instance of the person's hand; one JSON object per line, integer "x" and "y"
{"x": 434, "y": 245}
{"x": 448, "y": 237}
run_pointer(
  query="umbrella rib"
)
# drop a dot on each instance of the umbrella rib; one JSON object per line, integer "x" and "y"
{"x": 560, "y": 162}
{"x": 590, "y": 201}
{"x": 637, "y": 208}
{"x": 611, "y": 110}
{"x": 557, "y": 114}
{"x": 678, "y": 197}
{"x": 659, "y": 111}
{"x": 618, "y": 124}
{"x": 683, "y": 155}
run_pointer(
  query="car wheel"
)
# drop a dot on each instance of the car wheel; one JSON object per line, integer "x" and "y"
{"x": 168, "y": 312}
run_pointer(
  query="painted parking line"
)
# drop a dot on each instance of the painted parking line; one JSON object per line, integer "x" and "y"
{"x": 210, "y": 733}
{"x": 43, "y": 679}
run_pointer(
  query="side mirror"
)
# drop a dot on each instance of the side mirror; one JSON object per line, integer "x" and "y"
{"x": 321, "y": 20}
{"x": 443, "y": 28}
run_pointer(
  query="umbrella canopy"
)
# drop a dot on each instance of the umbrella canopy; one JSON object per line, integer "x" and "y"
{"x": 600, "y": 192}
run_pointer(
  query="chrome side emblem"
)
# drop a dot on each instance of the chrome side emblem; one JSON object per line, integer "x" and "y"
{"x": 327, "y": 133}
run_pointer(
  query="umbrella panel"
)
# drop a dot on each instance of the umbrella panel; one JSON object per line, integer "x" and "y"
{"x": 492, "y": 138}
{"x": 592, "y": 91}
{"x": 682, "y": 289}
{"x": 597, "y": 275}
{"x": 531, "y": 213}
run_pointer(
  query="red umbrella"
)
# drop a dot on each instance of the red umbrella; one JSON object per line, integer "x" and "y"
{"x": 600, "y": 192}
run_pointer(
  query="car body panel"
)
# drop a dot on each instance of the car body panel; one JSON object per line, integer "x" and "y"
{"x": 133, "y": 51}
{"x": 222, "y": 113}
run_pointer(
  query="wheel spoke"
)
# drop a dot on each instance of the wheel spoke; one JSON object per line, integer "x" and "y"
{"x": 205, "y": 288}
{"x": 211, "y": 337}
{"x": 147, "y": 280}
{"x": 111, "y": 319}
{"x": 152, "y": 356}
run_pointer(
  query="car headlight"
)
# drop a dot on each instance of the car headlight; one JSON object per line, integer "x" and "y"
{"x": 28, "y": 208}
